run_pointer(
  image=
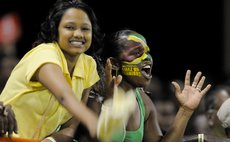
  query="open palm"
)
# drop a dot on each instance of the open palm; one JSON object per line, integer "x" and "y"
{"x": 191, "y": 95}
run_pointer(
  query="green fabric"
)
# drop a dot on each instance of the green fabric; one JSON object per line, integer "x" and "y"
{"x": 133, "y": 136}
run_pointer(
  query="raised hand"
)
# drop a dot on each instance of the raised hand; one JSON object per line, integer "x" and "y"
{"x": 191, "y": 95}
{"x": 111, "y": 80}
{"x": 8, "y": 123}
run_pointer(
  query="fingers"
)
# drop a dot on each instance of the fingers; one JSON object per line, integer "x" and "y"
{"x": 177, "y": 88}
{"x": 12, "y": 124}
{"x": 1, "y": 107}
{"x": 117, "y": 80}
{"x": 8, "y": 122}
{"x": 2, "y": 128}
{"x": 196, "y": 79}
{"x": 206, "y": 89}
{"x": 198, "y": 83}
{"x": 187, "y": 78}
{"x": 2, "y": 123}
{"x": 108, "y": 70}
{"x": 6, "y": 125}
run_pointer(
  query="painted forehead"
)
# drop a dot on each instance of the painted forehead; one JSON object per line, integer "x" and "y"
{"x": 139, "y": 38}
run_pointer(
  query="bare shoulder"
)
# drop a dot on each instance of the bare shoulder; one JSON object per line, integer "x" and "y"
{"x": 150, "y": 107}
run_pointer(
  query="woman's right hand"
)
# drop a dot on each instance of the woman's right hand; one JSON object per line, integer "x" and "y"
{"x": 8, "y": 123}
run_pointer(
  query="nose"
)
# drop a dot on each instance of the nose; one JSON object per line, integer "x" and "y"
{"x": 78, "y": 33}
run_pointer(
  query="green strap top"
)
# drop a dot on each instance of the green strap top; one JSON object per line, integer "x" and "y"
{"x": 137, "y": 135}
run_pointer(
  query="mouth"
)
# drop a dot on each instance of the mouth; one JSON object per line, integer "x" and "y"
{"x": 146, "y": 71}
{"x": 77, "y": 44}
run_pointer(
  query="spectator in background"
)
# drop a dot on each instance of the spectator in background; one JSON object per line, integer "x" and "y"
{"x": 213, "y": 101}
{"x": 206, "y": 122}
{"x": 10, "y": 33}
{"x": 166, "y": 111}
{"x": 223, "y": 115}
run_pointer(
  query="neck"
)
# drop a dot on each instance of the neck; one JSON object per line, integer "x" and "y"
{"x": 126, "y": 85}
{"x": 71, "y": 61}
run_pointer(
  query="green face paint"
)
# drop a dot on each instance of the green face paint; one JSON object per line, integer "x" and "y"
{"x": 139, "y": 38}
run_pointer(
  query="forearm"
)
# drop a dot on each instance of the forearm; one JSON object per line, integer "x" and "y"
{"x": 80, "y": 111}
{"x": 177, "y": 129}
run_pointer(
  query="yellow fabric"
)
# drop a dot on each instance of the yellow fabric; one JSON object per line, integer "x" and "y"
{"x": 115, "y": 113}
{"x": 29, "y": 100}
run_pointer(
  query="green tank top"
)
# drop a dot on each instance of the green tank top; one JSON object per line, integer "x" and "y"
{"x": 137, "y": 135}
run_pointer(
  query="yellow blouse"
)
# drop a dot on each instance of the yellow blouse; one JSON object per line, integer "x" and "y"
{"x": 30, "y": 100}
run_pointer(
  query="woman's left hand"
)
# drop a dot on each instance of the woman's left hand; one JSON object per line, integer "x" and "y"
{"x": 112, "y": 81}
{"x": 191, "y": 95}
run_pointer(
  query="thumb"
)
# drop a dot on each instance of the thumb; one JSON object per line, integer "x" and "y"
{"x": 177, "y": 88}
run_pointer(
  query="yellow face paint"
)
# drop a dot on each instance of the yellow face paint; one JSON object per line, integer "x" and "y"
{"x": 130, "y": 70}
{"x": 138, "y": 39}
{"x": 137, "y": 60}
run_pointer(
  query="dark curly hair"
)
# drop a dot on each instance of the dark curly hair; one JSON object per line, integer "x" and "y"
{"x": 49, "y": 28}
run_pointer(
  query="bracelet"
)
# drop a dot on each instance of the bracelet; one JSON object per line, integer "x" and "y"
{"x": 51, "y": 139}
{"x": 200, "y": 137}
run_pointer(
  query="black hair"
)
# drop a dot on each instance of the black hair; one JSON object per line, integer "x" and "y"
{"x": 49, "y": 28}
{"x": 114, "y": 43}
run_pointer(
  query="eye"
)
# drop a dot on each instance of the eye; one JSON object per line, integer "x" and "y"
{"x": 86, "y": 29}
{"x": 70, "y": 27}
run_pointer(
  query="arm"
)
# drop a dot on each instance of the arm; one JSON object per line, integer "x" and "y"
{"x": 67, "y": 132}
{"x": 51, "y": 76}
{"x": 189, "y": 99}
{"x": 152, "y": 131}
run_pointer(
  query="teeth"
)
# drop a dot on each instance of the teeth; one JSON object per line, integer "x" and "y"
{"x": 76, "y": 43}
{"x": 147, "y": 67}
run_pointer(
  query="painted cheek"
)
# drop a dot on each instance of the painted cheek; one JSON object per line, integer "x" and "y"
{"x": 131, "y": 70}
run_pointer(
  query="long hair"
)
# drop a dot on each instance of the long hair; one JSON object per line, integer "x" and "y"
{"x": 49, "y": 28}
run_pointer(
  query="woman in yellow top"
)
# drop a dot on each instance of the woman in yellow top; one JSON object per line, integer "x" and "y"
{"x": 51, "y": 82}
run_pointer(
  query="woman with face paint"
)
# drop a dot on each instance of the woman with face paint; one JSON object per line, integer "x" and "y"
{"x": 128, "y": 57}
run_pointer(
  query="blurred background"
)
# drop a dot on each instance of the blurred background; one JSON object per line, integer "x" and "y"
{"x": 182, "y": 34}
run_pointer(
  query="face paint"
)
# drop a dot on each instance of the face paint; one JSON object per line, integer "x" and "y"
{"x": 139, "y": 38}
{"x": 130, "y": 70}
{"x": 137, "y": 60}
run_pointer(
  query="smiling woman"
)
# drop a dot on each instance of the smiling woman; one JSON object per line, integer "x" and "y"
{"x": 51, "y": 83}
